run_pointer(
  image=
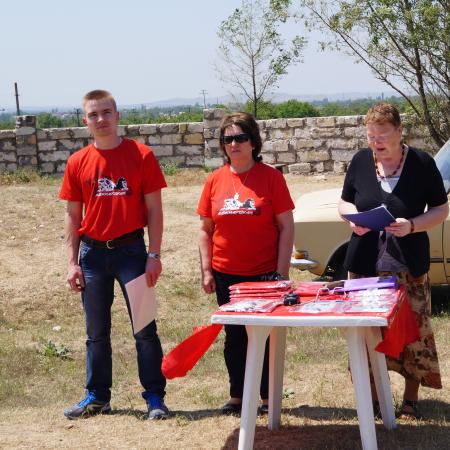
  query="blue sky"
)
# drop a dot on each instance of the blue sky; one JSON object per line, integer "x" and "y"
{"x": 142, "y": 51}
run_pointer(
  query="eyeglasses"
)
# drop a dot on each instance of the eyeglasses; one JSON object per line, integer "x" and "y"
{"x": 380, "y": 138}
{"x": 239, "y": 138}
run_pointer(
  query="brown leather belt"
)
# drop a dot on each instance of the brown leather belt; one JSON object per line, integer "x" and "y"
{"x": 121, "y": 241}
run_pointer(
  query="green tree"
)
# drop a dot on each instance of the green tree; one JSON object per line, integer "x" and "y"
{"x": 294, "y": 108}
{"x": 266, "y": 109}
{"x": 47, "y": 120}
{"x": 253, "y": 56}
{"x": 405, "y": 43}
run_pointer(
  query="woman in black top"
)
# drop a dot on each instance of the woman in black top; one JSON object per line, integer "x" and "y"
{"x": 406, "y": 181}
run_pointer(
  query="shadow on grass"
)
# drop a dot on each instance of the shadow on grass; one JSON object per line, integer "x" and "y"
{"x": 191, "y": 416}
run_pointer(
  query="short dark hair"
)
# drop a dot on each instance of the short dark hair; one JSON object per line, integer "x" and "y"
{"x": 248, "y": 125}
{"x": 383, "y": 113}
{"x": 99, "y": 94}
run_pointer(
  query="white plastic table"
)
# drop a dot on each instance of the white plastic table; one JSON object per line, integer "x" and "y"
{"x": 361, "y": 330}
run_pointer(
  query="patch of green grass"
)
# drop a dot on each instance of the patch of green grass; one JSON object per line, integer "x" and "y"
{"x": 55, "y": 350}
{"x": 170, "y": 168}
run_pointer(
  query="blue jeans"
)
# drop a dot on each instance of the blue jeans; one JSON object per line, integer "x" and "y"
{"x": 101, "y": 267}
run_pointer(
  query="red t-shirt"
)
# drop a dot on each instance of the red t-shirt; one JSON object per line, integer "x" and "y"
{"x": 243, "y": 208}
{"x": 112, "y": 184}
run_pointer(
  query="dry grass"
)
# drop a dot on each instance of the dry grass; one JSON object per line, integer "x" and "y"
{"x": 35, "y": 388}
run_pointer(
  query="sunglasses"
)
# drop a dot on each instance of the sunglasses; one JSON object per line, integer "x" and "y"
{"x": 239, "y": 138}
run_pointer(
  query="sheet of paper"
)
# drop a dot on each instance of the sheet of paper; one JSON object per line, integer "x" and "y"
{"x": 375, "y": 219}
{"x": 142, "y": 302}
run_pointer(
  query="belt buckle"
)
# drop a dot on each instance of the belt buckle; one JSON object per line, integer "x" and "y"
{"x": 109, "y": 244}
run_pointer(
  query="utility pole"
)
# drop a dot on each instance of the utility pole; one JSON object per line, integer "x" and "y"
{"x": 77, "y": 112}
{"x": 203, "y": 92}
{"x": 17, "y": 99}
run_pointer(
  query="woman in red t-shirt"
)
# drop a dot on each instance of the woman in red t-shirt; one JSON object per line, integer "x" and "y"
{"x": 246, "y": 234}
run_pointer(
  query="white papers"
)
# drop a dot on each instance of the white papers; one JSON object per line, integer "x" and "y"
{"x": 142, "y": 302}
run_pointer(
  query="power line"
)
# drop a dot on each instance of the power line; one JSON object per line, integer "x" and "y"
{"x": 203, "y": 92}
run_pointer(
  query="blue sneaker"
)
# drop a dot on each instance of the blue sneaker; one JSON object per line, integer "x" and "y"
{"x": 156, "y": 407}
{"x": 89, "y": 406}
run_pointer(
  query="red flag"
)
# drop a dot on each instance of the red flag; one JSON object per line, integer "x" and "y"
{"x": 185, "y": 355}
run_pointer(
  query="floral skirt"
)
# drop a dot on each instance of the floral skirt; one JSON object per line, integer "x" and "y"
{"x": 419, "y": 360}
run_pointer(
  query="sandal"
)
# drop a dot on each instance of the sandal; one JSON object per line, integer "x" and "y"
{"x": 263, "y": 409}
{"x": 409, "y": 410}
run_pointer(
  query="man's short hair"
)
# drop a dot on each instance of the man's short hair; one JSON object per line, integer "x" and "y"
{"x": 383, "y": 113}
{"x": 99, "y": 94}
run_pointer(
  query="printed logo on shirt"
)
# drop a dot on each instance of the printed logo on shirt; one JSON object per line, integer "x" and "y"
{"x": 235, "y": 206}
{"x": 107, "y": 187}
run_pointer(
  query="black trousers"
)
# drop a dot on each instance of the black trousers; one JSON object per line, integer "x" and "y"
{"x": 235, "y": 351}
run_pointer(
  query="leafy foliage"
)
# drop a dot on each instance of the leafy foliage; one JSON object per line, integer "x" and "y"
{"x": 405, "y": 43}
{"x": 55, "y": 350}
{"x": 252, "y": 54}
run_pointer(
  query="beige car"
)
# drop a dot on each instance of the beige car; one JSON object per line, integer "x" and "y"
{"x": 321, "y": 236}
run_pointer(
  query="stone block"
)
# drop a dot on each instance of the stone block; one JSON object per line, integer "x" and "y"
{"x": 285, "y": 133}
{"x": 303, "y": 143}
{"x": 154, "y": 140}
{"x": 219, "y": 113}
{"x": 287, "y": 157}
{"x": 7, "y": 134}
{"x": 26, "y": 150}
{"x": 208, "y": 133}
{"x": 46, "y": 146}
{"x": 269, "y": 158}
{"x": 280, "y": 146}
{"x": 321, "y": 133}
{"x": 27, "y": 160}
{"x": 133, "y": 130}
{"x": 163, "y": 150}
{"x": 59, "y": 155}
{"x": 300, "y": 168}
{"x": 12, "y": 167}
{"x": 322, "y": 121}
{"x": 81, "y": 132}
{"x": 208, "y": 114}
{"x": 7, "y": 145}
{"x": 213, "y": 163}
{"x": 295, "y": 123}
{"x": 141, "y": 139}
{"x": 214, "y": 143}
{"x": 170, "y": 139}
{"x": 313, "y": 155}
{"x": 342, "y": 144}
{"x": 267, "y": 146}
{"x": 58, "y": 133}
{"x": 60, "y": 168}
{"x": 194, "y": 139}
{"x": 212, "y": 123}
{"x": 168, "y": 128}
{"x": 302, "y": 133}
{"x": 195, "y": 127}
{"x": 29, "y": 139}
{"x": 7, "y": 156}
{"x": 121, "y": 130}
{"x": 182, "y": 128}
{"x": 47, "y": 167}
{"x": 318, "y": 167}
{"x": 349, "y": 121}
{"x": 147, "y": 129}
{"x": 342, "y": 155}
{"x": 69, "y": 144}
{"x": 188, "y": 150}
{"x": 41, "y": 135}
{"x": 339, "y": 167}
{"x": 195, "y": 161}
{"x": 24, "y": 131}
{"x": 355, "y": 132}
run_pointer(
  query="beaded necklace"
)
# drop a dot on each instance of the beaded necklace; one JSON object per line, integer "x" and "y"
{"x": 383, "y": 177}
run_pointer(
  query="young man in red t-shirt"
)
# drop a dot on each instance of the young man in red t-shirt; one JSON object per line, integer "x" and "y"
{"x": 118, "y": 182}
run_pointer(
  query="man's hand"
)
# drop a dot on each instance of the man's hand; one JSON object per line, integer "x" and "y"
{"x": 208, "y": 282}
{"x": 153, "y": 269}
{"x": 75, "y": 278}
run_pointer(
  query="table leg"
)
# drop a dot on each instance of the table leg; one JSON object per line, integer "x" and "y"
{"x": 361, "y": 384}
{"x": 276, "y": 370}
{"x": 381, "y": 377}
{"x": 257, "y": 336}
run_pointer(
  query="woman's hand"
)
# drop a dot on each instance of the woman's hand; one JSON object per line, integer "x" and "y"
{"x": 208, "y": 283}
{"x": 359, "y": 230}
{"x": 401, "y": 227}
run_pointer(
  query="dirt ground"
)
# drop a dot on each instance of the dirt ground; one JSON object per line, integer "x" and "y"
{"x": 35, "y": 308}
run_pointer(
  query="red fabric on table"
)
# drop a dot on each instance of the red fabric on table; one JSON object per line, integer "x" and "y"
{"x": 185, "y": 355}
{"x": 401, "y": 331}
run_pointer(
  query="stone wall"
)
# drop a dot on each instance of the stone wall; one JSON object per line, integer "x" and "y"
{"x": 308, "y": 145}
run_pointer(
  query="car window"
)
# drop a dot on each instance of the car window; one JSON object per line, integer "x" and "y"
{"x": 442, "y": 159}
